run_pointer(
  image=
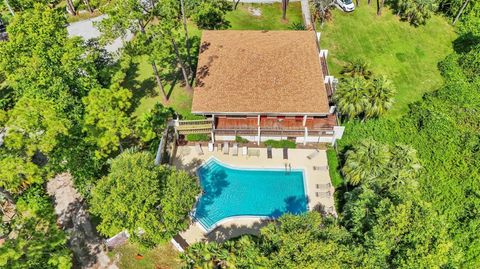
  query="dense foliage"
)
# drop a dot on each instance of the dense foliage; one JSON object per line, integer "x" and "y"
{"x": 443, "y": 129}
{"x": 150, "y": 202}
{"x": 34, "y": 240}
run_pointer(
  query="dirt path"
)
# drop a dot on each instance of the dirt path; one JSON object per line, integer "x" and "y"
{"x": 74, "y": 219}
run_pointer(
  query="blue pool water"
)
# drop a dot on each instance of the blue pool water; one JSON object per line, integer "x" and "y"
{"x": 229, "y": 192}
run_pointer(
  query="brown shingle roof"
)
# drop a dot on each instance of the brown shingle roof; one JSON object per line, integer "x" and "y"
{"x": 259, "y": 71}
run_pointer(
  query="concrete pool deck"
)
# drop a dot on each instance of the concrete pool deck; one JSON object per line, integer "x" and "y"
{"x": 187, "y": 158}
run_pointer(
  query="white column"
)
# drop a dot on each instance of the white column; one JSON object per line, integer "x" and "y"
{"x": 258, "y": 120}
{"x": 258, "y": 138}
{"x": 305, "y": 136}
{"x": 304, "y": 120}
{"x": 213, "y": 128}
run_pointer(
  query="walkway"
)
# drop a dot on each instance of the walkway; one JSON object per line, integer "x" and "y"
{"x": 316, "y": 175}
{"x": 74, "y": 219}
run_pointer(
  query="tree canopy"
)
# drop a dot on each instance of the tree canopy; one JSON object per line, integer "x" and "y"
{"x": 150, "y": 202}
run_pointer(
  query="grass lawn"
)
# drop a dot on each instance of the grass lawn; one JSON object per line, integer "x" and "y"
{"x": 141, "y": 81}
{"x": 146, "y": 93}
{"x": 270, "y": 18}
{"x": 163, "y": 256}
{"x": 407, "y": 55}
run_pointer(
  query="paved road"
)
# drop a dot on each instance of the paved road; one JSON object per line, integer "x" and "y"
{"x": 87, "y": 30}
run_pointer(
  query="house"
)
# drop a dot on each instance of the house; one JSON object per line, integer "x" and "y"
{"x": 263, "y": 85}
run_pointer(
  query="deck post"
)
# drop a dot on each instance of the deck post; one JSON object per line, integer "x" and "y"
{"x": 304, "y": 120}
{"x": 258, "y": 120}
{"x": 212, "y": 133}
{"x": 258, "y": 137}
{"x": 305, "y": 136}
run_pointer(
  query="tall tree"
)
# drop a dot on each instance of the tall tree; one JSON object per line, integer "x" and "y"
{"x": 45, "y": 63}
{"x": 417, "y": 12}
{"x": 106, "y": 119}
{"x": 136, "y": 16}
{"x": 350, "y": 96}
{"x": 35, "y": 125}
{"x": 35, "y": 240}
{"x": 284, "y": 9}
{"x": 367, "y": 161}
{"x": 380, "y": 96}
{"x": 71, "y": 8}
{"x": 151, "y": 202}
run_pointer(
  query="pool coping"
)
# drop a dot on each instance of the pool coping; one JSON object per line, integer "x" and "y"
{"x": 199, "y": 224}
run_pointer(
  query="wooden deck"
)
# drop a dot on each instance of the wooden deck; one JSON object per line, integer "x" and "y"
{"x": 275, "y": 124}
{"x": 323, "y": 61}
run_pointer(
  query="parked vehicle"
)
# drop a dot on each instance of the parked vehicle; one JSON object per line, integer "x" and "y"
{"x": 346, "y": 5}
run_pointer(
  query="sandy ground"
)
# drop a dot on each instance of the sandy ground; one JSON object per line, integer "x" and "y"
{"x": 74, "y": 219}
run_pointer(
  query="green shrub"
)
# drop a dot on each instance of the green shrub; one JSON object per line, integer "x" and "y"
{"x": 240, "y": 139}
{"x": 334, "y": 168}
{"x": 197, "y": 137}
{"x": 281, "y": 144}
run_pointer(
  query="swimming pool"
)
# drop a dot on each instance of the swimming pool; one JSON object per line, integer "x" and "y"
{"x": 234, "y": 192}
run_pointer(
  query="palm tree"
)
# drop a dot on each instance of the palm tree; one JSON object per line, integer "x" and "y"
{"x": 368, "y": 160}
{"x": 350, "y": 96}
{"x": 404, "y": 164}
{"x": 380, "y": 96}
{"x": 357, "y": 68}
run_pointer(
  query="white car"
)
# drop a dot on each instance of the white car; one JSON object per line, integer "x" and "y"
{"x": 346, "y": 5}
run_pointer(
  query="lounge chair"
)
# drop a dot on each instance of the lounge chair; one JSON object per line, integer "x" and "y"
{"x": 269, "y": 152}
{"x": 245, "y": 151}
{"x": 323, "y": 194}
{"x": 324, "y": 186}
{"x": 285, "y": 153}
{"x": 219, "y": 147}
{"x": 210, "y": 146}
{"x": 254, "y": 152}
{"x": 330, "y": 210}
{"x": 198, "y": 149}
{"x": 321, "y": 168}
{"x": 225, "y": 148}
{"x": 313, "y": 154}
{"x": 235, "y": 149}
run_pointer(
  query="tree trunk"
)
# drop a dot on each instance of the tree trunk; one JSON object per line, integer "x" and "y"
{"x": 235, "y": 4}
{"x": 379, "y": 9}
{"x": 382, "y": 4}
{"x": 155, "y": 70}
{"x": 87, "y": 3}
{"x": 71, "y": 8}
{"x": 182, "y": 66}
{"x": 358, "y": 2}
{"x": 187, "y": 39}
{"x": 369, "y": 2}
{"x": 10, "y": 9}
{"x": 460, "y": 11}
{"x": 284, "y": 9}
{"x": 159, "y": 82}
